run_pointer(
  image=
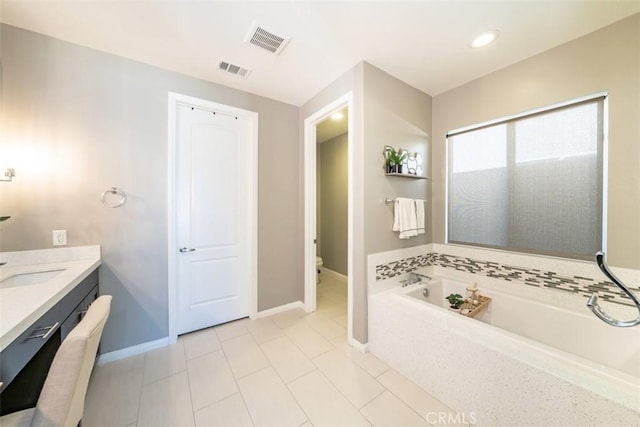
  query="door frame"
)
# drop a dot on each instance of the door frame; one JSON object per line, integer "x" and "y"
{"x": 176, "y": 99}
{"x": 310, "y": 166}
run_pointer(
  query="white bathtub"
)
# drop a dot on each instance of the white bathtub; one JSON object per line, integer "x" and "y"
{"x": 520, "y": 362}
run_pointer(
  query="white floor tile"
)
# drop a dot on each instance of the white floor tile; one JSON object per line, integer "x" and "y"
{"x": 264, "y": 329}
{"x": 269, "y": 401}
{"x": 352, "y": 381}
{"x": 411, "y": 394}
{"x": 244, "y": 355}
{"x": 164, "y": 362}
{"x": 232, "y": 329}
{"x": 210, "y": 379}
{"x": 366, "y": 361}
{"x": 116, "y": 385}
{"x": 167, "y": 403}
{"x": 310, "y": 342}
{"x": 323, "y": 403}
{"x": 287, "y": 359}
{"x": 326, "y": 327}
{"x": 200, "y": 342}
{"x": 123, "y": 365}
{"x": 341, "y": 320}
{"x": 288, "y": 318}
{"x": 230, "y": 412}
{"x": 387, "y": 410}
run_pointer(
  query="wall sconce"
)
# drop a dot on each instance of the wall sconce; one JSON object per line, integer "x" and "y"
{"x": 9, "y": 173}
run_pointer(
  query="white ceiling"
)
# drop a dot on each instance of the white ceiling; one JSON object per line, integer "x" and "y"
{"x": 424, "y": 43}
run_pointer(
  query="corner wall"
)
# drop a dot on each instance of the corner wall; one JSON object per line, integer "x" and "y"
{"x": 605, "y": 60}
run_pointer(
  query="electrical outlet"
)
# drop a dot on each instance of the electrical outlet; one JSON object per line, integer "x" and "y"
{"x": 59, "y": 237}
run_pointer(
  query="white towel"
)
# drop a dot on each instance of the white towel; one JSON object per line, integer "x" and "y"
{"x": 420, "y": 215}
{"x": 405, "y": 218}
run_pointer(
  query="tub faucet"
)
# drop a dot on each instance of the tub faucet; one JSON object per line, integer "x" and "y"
{"x": 417, "y": 277}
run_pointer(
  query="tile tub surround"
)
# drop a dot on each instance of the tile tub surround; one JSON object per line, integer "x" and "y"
{"x": 21, "y": 306}
{"x": 576, "y": 277}
{"x": 503, "y": 379}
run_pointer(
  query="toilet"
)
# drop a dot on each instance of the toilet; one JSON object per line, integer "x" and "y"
{"x": 318, "y": 265}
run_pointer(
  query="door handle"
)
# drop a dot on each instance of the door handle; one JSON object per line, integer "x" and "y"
{"x": 183, "y": 250}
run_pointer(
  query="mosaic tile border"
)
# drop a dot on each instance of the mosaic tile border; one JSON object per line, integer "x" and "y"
{"x": 584, "y": 286}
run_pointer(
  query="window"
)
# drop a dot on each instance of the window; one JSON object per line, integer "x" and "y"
{"x": 533, "y": 183}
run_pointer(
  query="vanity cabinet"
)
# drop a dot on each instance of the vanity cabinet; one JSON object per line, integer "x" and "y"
{"x": 24, "y": 364}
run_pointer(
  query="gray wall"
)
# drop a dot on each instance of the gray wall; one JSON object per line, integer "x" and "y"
{"x": 333, "y": 200}
{"x": 608, "y": 59}
{"x": 399, "y": 115}
{"x": 84, "y": 121}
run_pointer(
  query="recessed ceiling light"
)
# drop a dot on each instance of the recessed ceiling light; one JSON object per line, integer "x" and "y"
{"x": 337, "y": 116}
{"x": 485, "y": 38}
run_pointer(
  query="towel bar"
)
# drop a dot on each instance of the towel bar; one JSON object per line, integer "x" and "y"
{"x": 388, "y": 200}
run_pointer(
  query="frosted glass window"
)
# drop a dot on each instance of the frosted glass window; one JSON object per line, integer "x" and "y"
{"x": 530, "y": 184}
{"x": 481, "y": 150}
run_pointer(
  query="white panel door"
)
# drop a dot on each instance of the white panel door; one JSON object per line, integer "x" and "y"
{"x": 213, "y": 220}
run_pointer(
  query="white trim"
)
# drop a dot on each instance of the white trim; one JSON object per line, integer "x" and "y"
{"x": 174, "y": 100}
{"x": 362, "y": 348}
{"x": 605, "y": 170}
{"x": 132, "y": 351}
{"x": 280, "y": 309}
{"x": 310, "y": 204}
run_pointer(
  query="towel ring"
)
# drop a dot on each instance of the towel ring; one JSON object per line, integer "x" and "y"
{"x": 115, "y": 202}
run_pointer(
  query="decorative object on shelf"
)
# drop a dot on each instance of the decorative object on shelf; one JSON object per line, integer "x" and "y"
{"x": 402, "y": 163}
{"x": 113, "y": 197}
{"x": 394, "y": 159}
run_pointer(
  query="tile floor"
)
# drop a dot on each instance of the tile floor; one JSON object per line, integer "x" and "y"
{"x": 289, "y": 369}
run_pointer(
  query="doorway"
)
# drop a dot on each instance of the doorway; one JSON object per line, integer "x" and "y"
{"x": 311, "y": 217}
{"x": 212, "y": 214}
{"x": 332, "y": 215}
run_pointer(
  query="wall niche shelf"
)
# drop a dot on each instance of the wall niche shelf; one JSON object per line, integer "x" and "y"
{"x": 407, "y": 175}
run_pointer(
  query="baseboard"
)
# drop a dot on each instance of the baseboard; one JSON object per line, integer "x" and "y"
{"x": 132, "y": 351}
{"x": 280, "y": 309}
{"x": 362, "y": 348}
{"x": 329, "y": 272}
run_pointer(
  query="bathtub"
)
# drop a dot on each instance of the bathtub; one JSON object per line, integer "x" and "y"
{"x": 520, "y": 362}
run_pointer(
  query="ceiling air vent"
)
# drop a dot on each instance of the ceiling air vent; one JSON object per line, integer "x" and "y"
{"x": 234, "y": 69}
{"x": 262, "y": 38}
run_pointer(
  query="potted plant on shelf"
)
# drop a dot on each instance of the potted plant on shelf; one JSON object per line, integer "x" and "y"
{"x": 455, "y": 301}
{"x": 394, "y": 159}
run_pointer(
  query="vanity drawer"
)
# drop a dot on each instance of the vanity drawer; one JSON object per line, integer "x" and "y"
{"x": 16, "y": 356}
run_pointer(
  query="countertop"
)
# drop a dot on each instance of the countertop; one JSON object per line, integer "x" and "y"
{"x": 21, "y": 306}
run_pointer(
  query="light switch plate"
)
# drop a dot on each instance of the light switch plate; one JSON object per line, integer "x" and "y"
{"x": 59, "y": 237}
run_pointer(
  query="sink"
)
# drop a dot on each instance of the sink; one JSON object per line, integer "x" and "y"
{"x": 26, "y": 279}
